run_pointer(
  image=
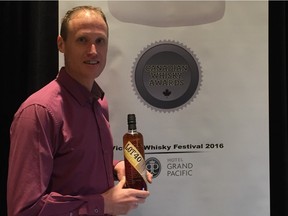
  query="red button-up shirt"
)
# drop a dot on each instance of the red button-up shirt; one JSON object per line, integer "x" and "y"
{"x": 61, "y": 151}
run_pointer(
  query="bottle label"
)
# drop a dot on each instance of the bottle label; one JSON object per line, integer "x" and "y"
{"x": 135, "y": 158}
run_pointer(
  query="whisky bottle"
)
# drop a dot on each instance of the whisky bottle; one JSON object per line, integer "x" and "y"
{"x": 134, "y": 158}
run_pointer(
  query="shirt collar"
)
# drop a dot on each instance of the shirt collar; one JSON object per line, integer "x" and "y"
{"x": 78, "y": 91}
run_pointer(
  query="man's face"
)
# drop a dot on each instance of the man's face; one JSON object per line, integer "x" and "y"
{"x": 85, "y": 49}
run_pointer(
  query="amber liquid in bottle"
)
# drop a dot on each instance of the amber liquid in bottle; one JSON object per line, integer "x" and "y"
{"x": 134, "y": 158}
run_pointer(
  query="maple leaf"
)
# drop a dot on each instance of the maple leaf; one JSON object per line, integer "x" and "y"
{"x": 167, "y": 92}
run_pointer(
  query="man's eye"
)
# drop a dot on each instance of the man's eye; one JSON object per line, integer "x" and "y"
{"x": 82, "y": 39}
{"x": 100, "y": 41}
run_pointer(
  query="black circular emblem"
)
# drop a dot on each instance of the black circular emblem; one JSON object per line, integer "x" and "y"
{"x": 153, "y": 165}
{"x": 166, "y": 75}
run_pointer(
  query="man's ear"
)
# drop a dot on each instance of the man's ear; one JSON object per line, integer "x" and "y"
{"x": 60, "y": 44}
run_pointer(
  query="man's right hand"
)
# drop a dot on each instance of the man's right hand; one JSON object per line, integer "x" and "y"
{"x": 119, "y": 200}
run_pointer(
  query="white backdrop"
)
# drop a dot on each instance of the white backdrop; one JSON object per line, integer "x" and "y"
{"x": 229, "y": 110}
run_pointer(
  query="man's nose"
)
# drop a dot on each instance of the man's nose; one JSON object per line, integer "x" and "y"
{"x": 93, "y": 49}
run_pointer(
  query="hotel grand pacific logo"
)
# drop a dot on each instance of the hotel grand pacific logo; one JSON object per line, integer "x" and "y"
{"x": 166, "y": 76}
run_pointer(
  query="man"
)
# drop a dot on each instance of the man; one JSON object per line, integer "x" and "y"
{"x": 61, "y": 153}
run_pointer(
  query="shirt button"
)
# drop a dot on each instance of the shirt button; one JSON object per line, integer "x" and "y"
{"x": 96, "y": 211}
{"x": 71, "y": 214}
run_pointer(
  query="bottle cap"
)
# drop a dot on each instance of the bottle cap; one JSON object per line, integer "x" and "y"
{"x": 131, "y": 119}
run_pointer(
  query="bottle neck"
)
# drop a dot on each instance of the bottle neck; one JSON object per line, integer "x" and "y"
{"x": 132, "y": 128}
{"x": 132, "y": 132}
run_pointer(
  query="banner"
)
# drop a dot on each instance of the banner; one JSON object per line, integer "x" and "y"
{"x": 195, "y": 73}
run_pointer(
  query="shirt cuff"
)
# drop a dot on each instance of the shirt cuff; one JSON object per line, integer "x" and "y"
{"x": 115, "y": 162}
{"x": 94, "y": 205}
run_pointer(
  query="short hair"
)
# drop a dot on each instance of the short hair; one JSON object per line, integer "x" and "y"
{"x": 70, "y": 13}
